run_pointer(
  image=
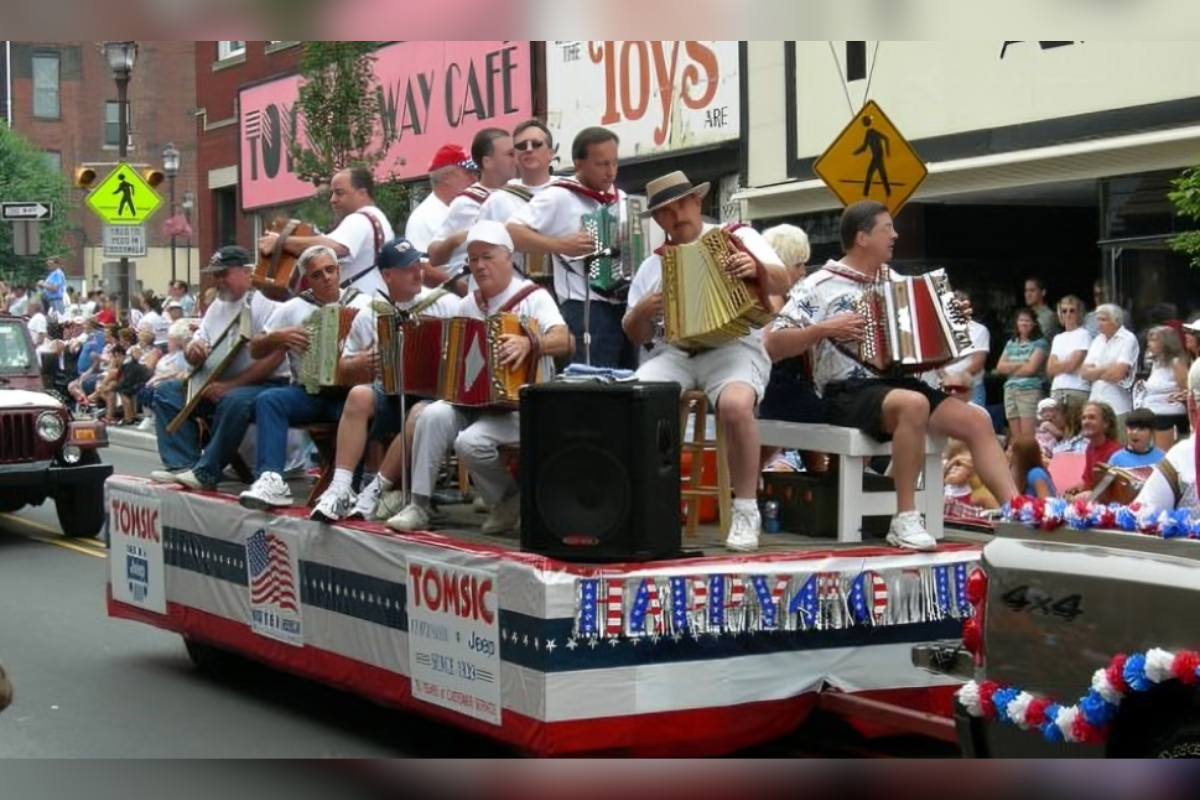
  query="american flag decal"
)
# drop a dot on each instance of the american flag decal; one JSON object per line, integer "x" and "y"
{"x": 588, "y": 601}
{"x": 614, "y": 608}
{"x": 869, "y": 598}
{"x": 679, "y": 604}
{"x": 805, "y": 603}
{"x": 699, "y": 594}
{"x": 960, "y": 589}
{"x": 646, "y": 605}
{"x": 270, "y": 565}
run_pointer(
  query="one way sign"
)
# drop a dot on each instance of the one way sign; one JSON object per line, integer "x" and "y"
{"x": 28, "y": 212}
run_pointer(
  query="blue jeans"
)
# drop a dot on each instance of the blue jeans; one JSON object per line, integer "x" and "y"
{"x": 610, "y": 348}
{"x": 278, "y": 409}
{"x": 229, "y": 419}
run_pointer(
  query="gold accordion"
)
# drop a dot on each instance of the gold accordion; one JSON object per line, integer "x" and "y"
{"x": 913, "y": 324}
{"x": 703, "y": 305}
{"x": 318, "y": 368}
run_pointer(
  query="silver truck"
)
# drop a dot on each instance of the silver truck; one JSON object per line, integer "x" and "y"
{"x": 1052, "y": 609}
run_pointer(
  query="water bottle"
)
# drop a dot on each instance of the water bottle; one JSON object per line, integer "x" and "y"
{"x": 771, "y": 521}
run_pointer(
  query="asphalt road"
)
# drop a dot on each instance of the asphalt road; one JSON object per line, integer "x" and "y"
{"x": 93, "y": 687}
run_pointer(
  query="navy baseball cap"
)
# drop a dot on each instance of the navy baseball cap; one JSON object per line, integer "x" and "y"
{"x": 227, "y": 257}
{"x": 399, "y": 253}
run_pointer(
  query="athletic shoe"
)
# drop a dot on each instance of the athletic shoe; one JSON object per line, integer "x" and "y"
{"x": 908, "y": 533}
{"x": 268, "y": 492}
{"x": 744, "y": 530}
{"x": 189, "y": 480}
{"x": 334, "y": 505}
{"x": 480, "y": 506}
{"x": 412, "y": 518}
{"x": 165, "y": 476}
{"x": 505, "y": 517}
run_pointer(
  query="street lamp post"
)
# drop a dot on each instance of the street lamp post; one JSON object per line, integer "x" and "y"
{"x": 120, "y": 57}
{"x": 188, "y": 204}
{"x": 171, "y": 167}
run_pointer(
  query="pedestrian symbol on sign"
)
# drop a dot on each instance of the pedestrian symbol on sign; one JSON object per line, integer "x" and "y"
{"x": 881, "y": 149}
{"x": 126, "y": 190}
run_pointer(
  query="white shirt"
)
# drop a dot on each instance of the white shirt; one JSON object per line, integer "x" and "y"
{"x": 424, "y": 222}
{"x": 219, "y": 317}
{"x": 295, "y": 312}
{"x": 1064, "y": 346}
{"x": 981, "y": 342}
{"x": 504, "y": 206}
{"x": 556, "y": 212}
{"x": 463, "y": 213}
{"x": 157, "y": 323}
{"x": 38, "y": 326}
{"x": 357, "y": 234}
{"x": 1159, "y": 387}
{"x": 444, "y": 307}
{"x": 1157, "y": 493}
{"x": 648, "y": 279}
{"x": 1122, "y": 348}
{"x": 539, "y": 306}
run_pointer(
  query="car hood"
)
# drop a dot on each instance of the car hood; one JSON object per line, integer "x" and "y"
{"x": 19, "y": 398}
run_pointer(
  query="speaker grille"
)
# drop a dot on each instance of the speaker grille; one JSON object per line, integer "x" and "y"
{"x": 583, "y": 490}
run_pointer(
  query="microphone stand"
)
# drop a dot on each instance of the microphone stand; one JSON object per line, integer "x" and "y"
{"x": 588, "y": 262}
{"x": 402, "y": 317}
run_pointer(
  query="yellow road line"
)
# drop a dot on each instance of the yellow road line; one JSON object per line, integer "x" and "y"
{"x": 97, "y": 552}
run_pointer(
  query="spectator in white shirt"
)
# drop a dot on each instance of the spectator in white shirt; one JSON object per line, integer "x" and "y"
{"x": 1111, "y": 363}
{"x": 1067, "y": 353}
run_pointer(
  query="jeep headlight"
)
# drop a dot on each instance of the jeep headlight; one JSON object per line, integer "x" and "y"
{"x": 51, "y": 427}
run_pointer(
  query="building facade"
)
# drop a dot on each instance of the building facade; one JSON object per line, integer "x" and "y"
{"x": 64, "y": 100}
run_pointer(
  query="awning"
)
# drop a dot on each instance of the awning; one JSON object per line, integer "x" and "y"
{"x": 1151, "y": 151}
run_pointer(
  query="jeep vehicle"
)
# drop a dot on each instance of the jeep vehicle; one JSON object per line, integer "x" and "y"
{"x": 1052, "y": 609}
{"x": 44, "y": 452}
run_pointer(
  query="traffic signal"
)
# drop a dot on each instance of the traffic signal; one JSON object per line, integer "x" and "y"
{"x": 84, "y": 177}
{"x": 154, "y": 177}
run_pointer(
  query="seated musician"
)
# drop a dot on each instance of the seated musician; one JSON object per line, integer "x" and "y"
{"x": 361, "y": 231}
{"x": 369, "y": 414}
{"x": 734, "y": 376}
{"x": 278, "y": 409}
{"x": 477, "y": 434}
{"x": 903, "y": 410}
{"x": 1173, "y": 482}
{"x": 228, "y": 403}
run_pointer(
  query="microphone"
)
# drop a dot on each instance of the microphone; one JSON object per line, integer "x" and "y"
{"x": 463, "y": 273}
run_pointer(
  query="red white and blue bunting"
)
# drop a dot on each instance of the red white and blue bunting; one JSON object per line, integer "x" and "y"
{"x": 1054, "y": 513}
{"x": 1087, "y": 721}
{"x": 630, "y": 607}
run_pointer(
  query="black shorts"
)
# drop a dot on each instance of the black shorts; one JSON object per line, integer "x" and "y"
{"x": 858, "y": 403}
{"x": 1173, "y": 422}
{"x": 791, "y": 397}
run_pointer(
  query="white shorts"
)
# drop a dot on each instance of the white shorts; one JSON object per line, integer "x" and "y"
{"x": 740, "y": 362}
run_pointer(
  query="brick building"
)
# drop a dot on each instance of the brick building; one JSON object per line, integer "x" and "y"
{"x": 221, "y": 70}
{"x": 64, "y": 100}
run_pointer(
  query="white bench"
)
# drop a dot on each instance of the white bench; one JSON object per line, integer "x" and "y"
{"x": 855, "y": 447}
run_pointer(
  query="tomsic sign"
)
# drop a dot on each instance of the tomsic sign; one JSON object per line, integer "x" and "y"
{"x": 39, "y": 212}
{"x": 124, "y": 241}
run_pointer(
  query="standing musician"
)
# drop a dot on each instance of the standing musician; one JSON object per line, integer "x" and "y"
{"x": 492, "y": 149}
{"x": 477, "y": 434}
{"x": 369, "y": 414}
{"x": 535, "y": 151}
{"x": 734, "y": 376}
{"x": 552, "y": 223}
{"x": 278, "y": 409}
{"x": 228, "y": 402}
{"x": 903, "y": 410}
{"x": 360, "y": 233}
{"x": 450, "y": 172}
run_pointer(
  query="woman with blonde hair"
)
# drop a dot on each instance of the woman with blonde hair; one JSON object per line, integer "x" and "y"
{"x": 1067, "y": 352}
{"x": 1163, "y": 390}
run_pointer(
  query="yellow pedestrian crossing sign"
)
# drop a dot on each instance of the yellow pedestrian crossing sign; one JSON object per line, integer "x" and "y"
{"x": 870, "y": 160}
{"x": 124, "y": 197}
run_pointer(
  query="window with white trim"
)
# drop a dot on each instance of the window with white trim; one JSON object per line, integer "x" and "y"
{"x": 230, "y": 49}
{"x": 112, "y": 123}
{"x": 46, "y": 89}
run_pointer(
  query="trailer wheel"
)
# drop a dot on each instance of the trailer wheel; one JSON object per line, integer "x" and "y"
{"x": 211, "y": 660}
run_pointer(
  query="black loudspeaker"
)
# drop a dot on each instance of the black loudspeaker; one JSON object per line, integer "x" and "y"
{"x": 600, "y": 471}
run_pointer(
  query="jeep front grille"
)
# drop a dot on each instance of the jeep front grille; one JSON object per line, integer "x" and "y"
{"x": 18, "y": 436}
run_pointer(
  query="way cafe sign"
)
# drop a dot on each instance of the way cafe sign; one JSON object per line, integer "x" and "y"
{"x": 434, "y": 93}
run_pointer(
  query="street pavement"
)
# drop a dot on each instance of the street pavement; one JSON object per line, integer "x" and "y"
{"x": 92, "y": 687}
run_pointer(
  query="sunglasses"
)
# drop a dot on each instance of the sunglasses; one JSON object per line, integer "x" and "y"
{"x": 532, "y": 144}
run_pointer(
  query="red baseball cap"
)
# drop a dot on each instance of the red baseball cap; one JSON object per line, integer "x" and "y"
{"x": 451, "y": 155}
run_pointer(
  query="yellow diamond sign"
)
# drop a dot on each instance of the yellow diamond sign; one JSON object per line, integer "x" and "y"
{"x": 871, "y": 161}
{"x": 124, "y": 197}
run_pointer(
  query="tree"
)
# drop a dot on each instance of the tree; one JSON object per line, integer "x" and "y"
{"x": 27, "y": 176}
{"x": 1186, "y": 197}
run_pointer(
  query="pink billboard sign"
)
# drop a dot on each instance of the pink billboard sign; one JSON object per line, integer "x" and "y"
{"x": 434, "y": 93}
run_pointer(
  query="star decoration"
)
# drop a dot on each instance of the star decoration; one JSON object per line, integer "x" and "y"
{"x": 550, "y": 645}
{"x": 526, "y": 642}
{"x": 677, "y": 637}
{"x": 654, "y": 639}
{"x": 592, "y": 643}
{"x": 535, "y": 644}
{"x": 634, "y": 641}
{"x": 614, "y": 642}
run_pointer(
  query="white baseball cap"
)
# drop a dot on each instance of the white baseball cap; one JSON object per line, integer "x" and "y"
{"x": 490, "y": 232}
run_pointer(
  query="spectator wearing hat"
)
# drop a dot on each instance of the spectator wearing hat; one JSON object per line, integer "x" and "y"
{"x": 362, "y": 229}
{"x": 1139, "y": 450}
{"x": 450, "y": 173}
{"x": 229, "y": 401}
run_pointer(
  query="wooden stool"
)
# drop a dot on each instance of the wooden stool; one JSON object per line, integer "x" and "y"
{"x": 695, "y": 405}
{"x": 324, "y": 437}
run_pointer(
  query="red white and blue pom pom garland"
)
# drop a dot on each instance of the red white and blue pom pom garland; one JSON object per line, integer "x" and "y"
{"x": 1087, "y": 721}
{"x": 1054, "y": 513}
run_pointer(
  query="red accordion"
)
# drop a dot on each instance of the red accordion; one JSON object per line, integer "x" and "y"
{"x": 913, "y": 325}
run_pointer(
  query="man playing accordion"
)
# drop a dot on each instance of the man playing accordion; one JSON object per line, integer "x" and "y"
{"x": 734, "y": 375}
{"x": 821, "y": 313}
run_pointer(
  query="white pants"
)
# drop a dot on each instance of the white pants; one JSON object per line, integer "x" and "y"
{"x": 476, "y": 436}
{"x": 299, "y": 450}
{"x": 743, "y": 361}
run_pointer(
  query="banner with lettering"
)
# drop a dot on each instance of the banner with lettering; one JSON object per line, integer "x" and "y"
{"x": 135, "y": 548}
{"x": 656, "y": 96}
{"x": 433, "y": 93}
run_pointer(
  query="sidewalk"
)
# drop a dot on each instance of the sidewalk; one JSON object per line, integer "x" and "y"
{"x": 133, "y": 439}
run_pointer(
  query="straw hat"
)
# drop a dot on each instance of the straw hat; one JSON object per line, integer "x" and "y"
{"x": 669, "y": 188}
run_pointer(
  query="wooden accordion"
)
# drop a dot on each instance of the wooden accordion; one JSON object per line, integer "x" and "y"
{"x": 278, "y": 275}
{"x": 913, "y": 324}
{"x": 622, "y": 243}
{"x": 318, "y": 368}
{"x": 703, "y": 305}
{"x": 1118, "y": 484}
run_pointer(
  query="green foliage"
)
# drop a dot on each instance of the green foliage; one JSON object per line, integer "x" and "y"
{"x": 26, "y": 176}
{"x": 394, "y": 199}
{"x": 339, "y": 107}
{"x": 1186, "y": 197}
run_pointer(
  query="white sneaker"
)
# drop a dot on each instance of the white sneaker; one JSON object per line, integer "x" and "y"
{"x": 164, "y": 476}
{"x": 334, "y": 505}
{"x": 190, "y": 480}
{"x": 480, "y": 506}
{"x": 744, "y": 530}
{"x": 268, "y": 492}
{"x": 388, "y": 505}
{"x": 147, "y": 424}
{"x": 412, "y": 518}
{"x": 505, "y": 517}
{"x": 908, "y": 533}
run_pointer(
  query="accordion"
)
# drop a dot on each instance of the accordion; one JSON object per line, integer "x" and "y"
{"x": 278, "y": 275}
{"x": 622, "y": 243}
{"x": 703, "y": 305}
{"x": 328, "y": 328}
{"x": 913, "y": 324}
{"x": 1118, "y": 484}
